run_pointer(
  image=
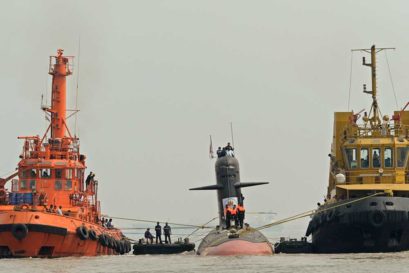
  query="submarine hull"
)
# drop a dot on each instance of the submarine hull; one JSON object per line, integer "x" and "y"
{"x": 245, "y": 242}
{"x": 377, "y": 224}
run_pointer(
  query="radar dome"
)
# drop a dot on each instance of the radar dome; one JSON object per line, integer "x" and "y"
{"x": 340, "y": 178}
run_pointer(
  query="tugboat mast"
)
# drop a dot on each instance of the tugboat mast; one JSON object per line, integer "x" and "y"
{"x": 375, "y": 120}
{"x": 59, "y": 69}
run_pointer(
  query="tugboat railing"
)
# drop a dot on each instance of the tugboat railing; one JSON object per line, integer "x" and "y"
{"x": 364, "y": 131}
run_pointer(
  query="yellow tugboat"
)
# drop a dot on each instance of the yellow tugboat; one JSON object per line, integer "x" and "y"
{"x": 367, "y": 204}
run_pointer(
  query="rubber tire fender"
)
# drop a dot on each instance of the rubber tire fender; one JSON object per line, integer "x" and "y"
{"x": 118, "y": 247}
{"x": 114, "y": 244}
{"x": 82, "y": 232}
{"x": 377, "y": 218}
{"x": 19, "y": 231}
{"x": 93, "y": 235}
{"x": 103, "y": 240}
{"x": 128, "y": 246}
{"x": 122, "y": 248}
{"x": 110, "y": 241}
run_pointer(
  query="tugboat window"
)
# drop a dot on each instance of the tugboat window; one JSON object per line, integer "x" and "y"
{"x": 68, "y": 173}
{"x": 58, "y": 173}
{"x": 23, "y": 184}
{"x": 402, "y": 153}
{"x": 33, "y": 173}
{"x": 58, "y": 185}
{"x": 45, "y": 173}
{"x": 25, "y": 174}
{"x": 351, "y": 156}
{"x": 68, "y": 185}
{"x": 32, "y": 184}
{"x": 364, "y": 158}
{"x": 388, "y": 163}
{"x": 376, "y": 162}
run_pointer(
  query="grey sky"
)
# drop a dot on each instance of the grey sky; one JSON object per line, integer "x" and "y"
{"x": 157, "y": 77}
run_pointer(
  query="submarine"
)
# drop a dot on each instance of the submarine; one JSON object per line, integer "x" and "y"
{"x": 227, "y": 239}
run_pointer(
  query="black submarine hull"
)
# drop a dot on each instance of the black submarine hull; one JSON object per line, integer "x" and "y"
{"x": 377, "y": 224}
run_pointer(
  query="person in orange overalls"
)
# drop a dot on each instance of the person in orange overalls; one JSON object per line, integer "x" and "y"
{"x": 228, "y": 216}
{"x": 234, "y": 216}
{"x": 240, "y": 214}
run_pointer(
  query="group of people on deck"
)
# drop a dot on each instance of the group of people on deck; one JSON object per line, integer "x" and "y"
{"x": 226, "y": 151}
{"x": 158, "y": 230}
{"x": 54, "y": 209}
{"x": 236, "y": 214}
{"x": 106, "y": 223}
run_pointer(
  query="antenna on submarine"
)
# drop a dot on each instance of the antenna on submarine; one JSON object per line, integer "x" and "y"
{"x": 232, "y": 135}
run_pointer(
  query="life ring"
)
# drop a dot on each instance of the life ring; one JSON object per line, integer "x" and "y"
{"x": 92, "y": 235}
{"x": 103, "y": 240}
{"x": 19, "y": 231}
{"x": 25, "y": 207}
{"x": 82, "y": 232}
{"x": 377, "y": 218}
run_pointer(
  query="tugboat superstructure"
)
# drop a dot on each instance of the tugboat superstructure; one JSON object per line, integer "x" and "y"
{"x": 369, "y": 156}
{"x": 50, "y": 175}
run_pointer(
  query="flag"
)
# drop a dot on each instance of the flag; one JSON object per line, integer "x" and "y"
{"x": 211, "y": 153}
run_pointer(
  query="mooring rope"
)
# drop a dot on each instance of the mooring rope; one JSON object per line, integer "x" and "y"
{"x": 208, "y": 222}
{"x": 312, "y": 212}
{"x": 151, "y": 221}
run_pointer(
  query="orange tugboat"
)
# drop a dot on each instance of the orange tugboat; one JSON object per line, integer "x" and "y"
{"x": 51, "y": 210}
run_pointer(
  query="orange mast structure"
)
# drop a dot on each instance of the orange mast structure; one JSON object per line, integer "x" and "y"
{"x": 59, "y": 70}
{"x": 51, "y": 196}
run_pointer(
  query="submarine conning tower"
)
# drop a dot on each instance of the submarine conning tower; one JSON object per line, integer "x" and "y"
{"x": 227, "y": 176}
{"x": 228, "y": 184}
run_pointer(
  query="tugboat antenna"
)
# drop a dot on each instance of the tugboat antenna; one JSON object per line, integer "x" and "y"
{"x": 76, "y": 90}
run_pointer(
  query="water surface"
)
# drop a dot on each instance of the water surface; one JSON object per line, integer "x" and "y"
{"x": 300, "y": 263}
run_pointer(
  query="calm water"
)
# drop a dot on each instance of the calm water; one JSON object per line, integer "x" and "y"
{"x": 396, "y": 262}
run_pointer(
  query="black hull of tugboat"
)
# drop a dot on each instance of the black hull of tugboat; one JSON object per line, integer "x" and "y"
{"x": 377, "y": 224}
{"x": 155, "y": 249}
